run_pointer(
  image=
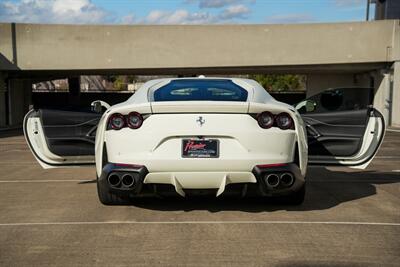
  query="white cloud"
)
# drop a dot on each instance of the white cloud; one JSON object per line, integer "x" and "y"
{"x": 52, "y": 11}
{"x": 180, "y": 16}
{"x": 66, "y": 6}
{"x": 291, "y": 18}
{"x": 217, "y": 3}
{"x": 86, "y": 12}
{"x": 128, "y": 19}
{"x": 235, "y": 12}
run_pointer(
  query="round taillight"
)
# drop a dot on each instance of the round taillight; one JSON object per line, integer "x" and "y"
{"x": 265, "y": 119}
{"x": 117, "y": 121}
{"x": 284, "y": 121}
{"x": 134, "y": 120}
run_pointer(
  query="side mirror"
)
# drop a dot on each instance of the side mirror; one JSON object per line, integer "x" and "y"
{"x": 306, "y": 106}
{"x": 310, "y": 105}
{"x": 97, "y": 106}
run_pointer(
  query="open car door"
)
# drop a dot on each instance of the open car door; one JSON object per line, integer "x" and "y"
{"x": 59, "y": 138}
{"x": 342, "y": 127}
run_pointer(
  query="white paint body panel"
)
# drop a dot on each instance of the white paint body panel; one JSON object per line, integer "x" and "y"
{"x": 157, "y": 144}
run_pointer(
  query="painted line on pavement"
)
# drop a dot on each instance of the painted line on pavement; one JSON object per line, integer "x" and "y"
{"x": 200, "y": 222}
{"x": 311, "y": 181}
{"x": 43, "y": 181}
{"x": 19, "y": 163}
{"x": 355, "y": 181}
{"x": 393, "y": 130}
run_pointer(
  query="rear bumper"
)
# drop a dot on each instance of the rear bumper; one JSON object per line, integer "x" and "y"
{"x": 184, "y": 183}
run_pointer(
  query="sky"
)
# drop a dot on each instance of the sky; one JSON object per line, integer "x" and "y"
{"x": 181, "y": 11}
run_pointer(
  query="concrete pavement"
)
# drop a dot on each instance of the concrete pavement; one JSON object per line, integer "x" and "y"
{"x": 53, "y": 217}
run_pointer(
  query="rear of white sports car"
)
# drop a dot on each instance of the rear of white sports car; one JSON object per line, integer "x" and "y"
{"x": 190, "y": 136}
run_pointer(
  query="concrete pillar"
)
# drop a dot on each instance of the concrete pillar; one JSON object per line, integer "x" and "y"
{"x": 74, "y": 86}
{"x": 19, "y": 91}
{"x": 395, "y": 112}
{"x": 3, "y": 100}
{"x": 382, "y": 94}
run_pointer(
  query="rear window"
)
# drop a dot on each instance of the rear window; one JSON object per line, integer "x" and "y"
{"x": 198, "y": 90}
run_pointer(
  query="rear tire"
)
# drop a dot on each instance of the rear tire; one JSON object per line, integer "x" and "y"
{"x": 108, "y": 198}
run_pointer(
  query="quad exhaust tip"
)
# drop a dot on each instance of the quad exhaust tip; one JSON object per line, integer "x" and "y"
{"x": 287, "y": 179}
{"x": 127, "y": 180}
{"x": 114, "y": 179}
{"x": 272, "y": 180}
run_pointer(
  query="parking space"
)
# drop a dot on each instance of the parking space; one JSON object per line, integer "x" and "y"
{"x": 53, "y": 217}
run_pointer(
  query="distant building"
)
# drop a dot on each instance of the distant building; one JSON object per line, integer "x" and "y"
{"x": 387, "y": 9}
{"x": 50, "y": 86}
{"x": 133, "y": 87}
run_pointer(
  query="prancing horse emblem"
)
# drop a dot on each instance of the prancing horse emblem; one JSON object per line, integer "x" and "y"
{"x": 201, "y": 121}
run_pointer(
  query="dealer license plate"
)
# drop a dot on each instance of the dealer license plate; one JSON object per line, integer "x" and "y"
{"x": 193, "y": 148}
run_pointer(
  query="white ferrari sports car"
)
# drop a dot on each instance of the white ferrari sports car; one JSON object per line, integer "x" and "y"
{"x": 220, "y": 136}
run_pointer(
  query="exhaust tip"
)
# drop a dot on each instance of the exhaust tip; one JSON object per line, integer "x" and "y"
{"x": 272, "y": 180}
{"x": 128, "y": 180}
{"x": 287, "y": 179}
{"x": 113, "y": 179}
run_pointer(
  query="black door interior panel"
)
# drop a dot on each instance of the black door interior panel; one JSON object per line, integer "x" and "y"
{"x": 69, "y": 133}
{"x": 328, "y": 146}
{"x": 342, "y": 123}
{"x": 336, "y": 133}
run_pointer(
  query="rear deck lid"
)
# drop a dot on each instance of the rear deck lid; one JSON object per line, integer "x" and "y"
{"x": 199, "y": 107}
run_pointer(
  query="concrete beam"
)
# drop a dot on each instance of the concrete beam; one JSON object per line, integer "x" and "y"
{"x": 122, "y": 47}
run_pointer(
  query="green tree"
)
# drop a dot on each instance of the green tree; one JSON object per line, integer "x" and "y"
{"x": 281, "y": 82}
{"x": 120, "y": 82}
